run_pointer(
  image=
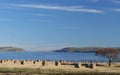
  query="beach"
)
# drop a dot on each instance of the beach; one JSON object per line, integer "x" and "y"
{"x": 55, "y": 67}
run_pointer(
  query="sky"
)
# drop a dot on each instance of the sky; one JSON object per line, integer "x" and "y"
{"x": 40, "y": 25}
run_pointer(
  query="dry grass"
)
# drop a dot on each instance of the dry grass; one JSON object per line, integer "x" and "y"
{"x": 9, "y": 68}
{"x": 39, "y": 71}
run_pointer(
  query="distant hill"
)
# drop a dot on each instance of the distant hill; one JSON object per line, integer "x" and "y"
{"x": 13, "y": 49}
{"x": 82, "y": 49}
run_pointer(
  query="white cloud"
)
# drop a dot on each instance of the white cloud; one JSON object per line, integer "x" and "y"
{"x": 116, "y": 9}
{"x": 60, "y": 8}
{"x": 90, "y": 0}
{"x": 116, "y": 1}
{"x": 42, "y": 14}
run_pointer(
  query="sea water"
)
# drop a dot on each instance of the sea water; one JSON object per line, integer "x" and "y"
{"x": 66, "y": 56}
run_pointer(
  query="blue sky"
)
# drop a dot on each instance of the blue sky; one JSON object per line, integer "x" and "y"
{"x": 54, "y": 24}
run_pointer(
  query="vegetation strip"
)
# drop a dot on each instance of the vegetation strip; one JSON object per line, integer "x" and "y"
{"x": 32, "y": 71}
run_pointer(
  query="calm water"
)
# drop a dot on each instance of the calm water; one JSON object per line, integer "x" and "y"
{"x": 83, "y": 56}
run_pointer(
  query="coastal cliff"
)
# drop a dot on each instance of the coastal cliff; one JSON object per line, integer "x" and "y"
{"x": 11, "y": 49}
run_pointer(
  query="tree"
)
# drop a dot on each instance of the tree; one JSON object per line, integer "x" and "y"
{"x": 109, "y": 53}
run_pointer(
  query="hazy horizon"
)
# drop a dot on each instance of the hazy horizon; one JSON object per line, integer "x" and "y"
{"x": 55, "y": 24}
